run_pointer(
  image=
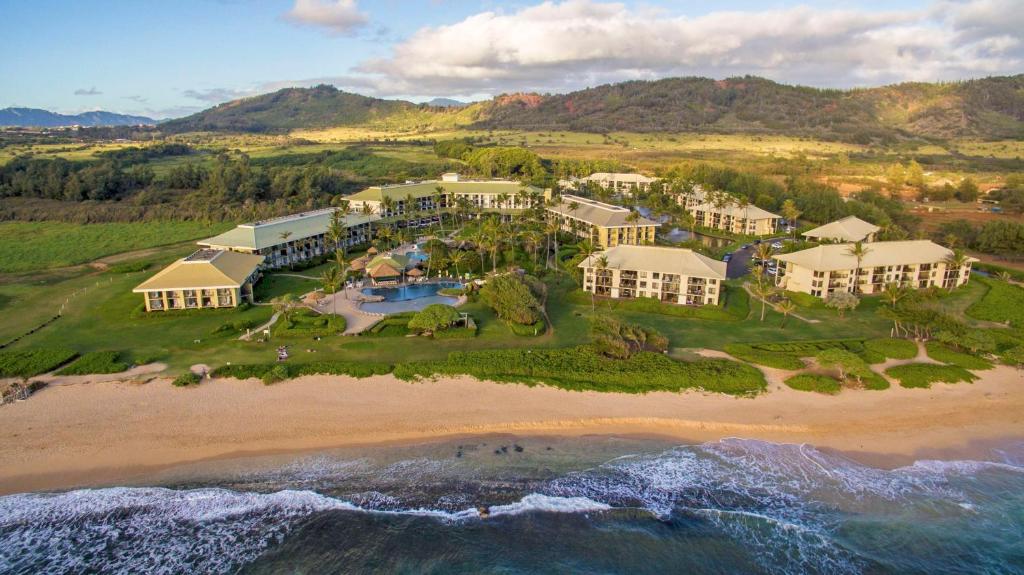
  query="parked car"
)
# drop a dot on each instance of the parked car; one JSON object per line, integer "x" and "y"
{"x": 727, "y": 257}
{"x": 745, "y": 247}
{"x": 757, "y": 242}
{"x": 777, "y": 245}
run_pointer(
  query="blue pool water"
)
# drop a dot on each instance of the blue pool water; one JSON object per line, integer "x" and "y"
{"x": 408, "y": 298}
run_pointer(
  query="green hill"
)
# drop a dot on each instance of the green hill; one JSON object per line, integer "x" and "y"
{"x": 989, "y": 108}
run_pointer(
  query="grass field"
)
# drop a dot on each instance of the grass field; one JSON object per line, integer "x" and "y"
{"x": 29, "y": 246}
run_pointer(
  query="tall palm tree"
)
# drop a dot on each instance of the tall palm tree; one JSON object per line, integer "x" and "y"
{"x": 438, "y": 195}
{"x": 336, "y": 231}
{"x": 893, "y": 292}
{"x": 387, "y": 205}
{"x": 955, "y": 261}
{"x": 411, "y": 211}
{"x": 551, "y": 230}
{"x": 457, "y": 258}
{"x": 790, "y": 211}
{"x": 764, "y": 253}
{"x": 331, "y": 280}
{"x": 285, "y": 305}
{"x": 479, "y": 239}
{"x": 785, "y": 307}
{"x": 385, "y": 233}
{"x": 599, "y": 267}
{"x": 763, "y": 291}
{"x": 858, "y": 250}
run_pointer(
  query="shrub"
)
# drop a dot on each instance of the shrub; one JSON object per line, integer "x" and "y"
{"x": 621, "y": 340}
{"x": 529, "y": 330}
{"x": 95, "y": 362}
{"x": 762, "y": 357}
{"x": 943, "y": 353}
{"x": 459, "y": 332}
{"x": 434, "y": 317}
{"x": 583, "y": 368}
{"x": 275, "y": 374}
{"x": 511, "y": 299}
{"x": 848, "y": 364}
{"x": 29, "y": 362}
{"x": 236, "y": 326}
{"x": 186, "y": 379}
{"x": 925, "y": 374}
{"x": 815, "y": 383}
{"x": 451, "y": 292}
{"x": 842, "y": 302}
{"x": 1000, "y": 303}
{"x": 308, "y": 323}
{"x": 892, "y": 348}
{"x": 805, "y": 300}
{"x": 147, "y": 357}
{"x": 260, "y": 370}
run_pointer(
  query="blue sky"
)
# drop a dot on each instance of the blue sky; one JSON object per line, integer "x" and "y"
{"x": 171, "y": 58}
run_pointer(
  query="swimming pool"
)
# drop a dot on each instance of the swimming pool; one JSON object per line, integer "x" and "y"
{"x": 408, "y": 298}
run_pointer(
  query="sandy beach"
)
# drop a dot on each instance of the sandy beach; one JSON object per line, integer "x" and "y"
{"x": 99, "y": 433}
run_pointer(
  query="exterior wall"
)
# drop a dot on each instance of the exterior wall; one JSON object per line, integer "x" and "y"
{"x": 196, "y": 298}
{"x": 509, "y": 201}
{"x": 669, "y": 288}
{"x": 710, "y": 217}
{"x": 293, "y": 251}
{"x": 871, "y": 280}
{"x": 605, "y": 236}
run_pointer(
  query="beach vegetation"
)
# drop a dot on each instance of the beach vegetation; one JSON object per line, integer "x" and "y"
{"x": 615, "y": 339}
{"x": 923, "y": 375}
{"x": 942, "y": 352}
{"x": 30, "y": 362}
{"x": 1003, "y": 303}
{"x": 433, "y": 318}
{"x": 512, "y": 299}
{"x": 736, "y": 305}
{"x": 850, "y": 366}
{"x": 816, "y": 383}
{"x": 892, "y": 348}
{"x": 96, "y": 362}
{"x": 186, "y": 379}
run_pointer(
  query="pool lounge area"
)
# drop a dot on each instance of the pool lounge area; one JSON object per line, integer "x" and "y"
{"x": 409, "y": 297}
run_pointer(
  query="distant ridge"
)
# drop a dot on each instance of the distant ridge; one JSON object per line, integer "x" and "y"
{"x": 36, "y": 118}
{"x": 987, "y": 108}
{"x": 446, "y": 103}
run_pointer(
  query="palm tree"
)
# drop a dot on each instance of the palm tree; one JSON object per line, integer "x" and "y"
{"x": 1005, "y": 276}
{"x": 531, "y": 241}
{"x": 764, "y": 253}
{"x": 785, "y": 307}
{"x": 791, "y": 213}
{"x": 955, "y": 261}
{"x": 457, "y": 258}
{"x": 858, "y": 250}
{"x": 893, "y": 292}
{"x": 284, "y": 239}
{"x": 437, "y": 196}
{"x": 479, "y": 239}
{"x": 411, "y": 212}
{"x": 551, "y": 230}
{"x": 331, "y": 280}
{"x": 284, "y": 305}
{"x": 336, "y": 230}
{"x": 387, "y": 206}
{"x": 385, "y": 233}
{"x": 600, "y": 266}
{"x": 763, "y": 291}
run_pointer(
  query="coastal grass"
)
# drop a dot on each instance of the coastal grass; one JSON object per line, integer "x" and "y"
{"x": 941, "y": 352}
{"x": 816, "y": 383}
{"x": 1001, "y": 303}
{"x": 891, "y": 348}
{"x": 29, "y": 246}
{"x": 787, "y": 354}
{"x": 277, "y": 284}
{"x": 96, "y": 362}
{"x": 923, "y": 375}
{"x": 26, "y": 363}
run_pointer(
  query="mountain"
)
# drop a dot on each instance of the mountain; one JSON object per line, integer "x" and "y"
{"x": 35, "y": 118}
{"x": 446, "y": 103}
{"x": 989, "y": 108}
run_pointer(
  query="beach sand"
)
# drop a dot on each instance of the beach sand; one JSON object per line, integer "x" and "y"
{"x": 106, "y": 433}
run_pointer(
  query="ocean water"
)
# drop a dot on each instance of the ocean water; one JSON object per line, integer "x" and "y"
{"x": 535, "y": 505}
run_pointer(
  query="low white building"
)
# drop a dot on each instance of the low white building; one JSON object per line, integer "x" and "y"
{"x": 848, "y": 229}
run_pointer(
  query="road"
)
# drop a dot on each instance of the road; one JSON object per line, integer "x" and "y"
{"x": 739, "y": 265}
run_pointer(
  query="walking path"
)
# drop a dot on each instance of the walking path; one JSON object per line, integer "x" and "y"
{"x": 259, "y": 330}
{"x": 746, "y": 286}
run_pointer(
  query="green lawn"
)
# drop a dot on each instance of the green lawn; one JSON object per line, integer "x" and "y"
{"x": 1001, "y": 302}
{"x": 29, "y": 246}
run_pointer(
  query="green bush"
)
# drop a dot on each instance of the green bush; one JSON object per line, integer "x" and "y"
{"x": 236, "y": 326}
{"x": 511, "y": 298}
{"x": 275, "y": 374}
{"x": 146, "y": 357}
{"x": 1000, "y": 303}
{"x": 892, "y": 348}
{"x": 434, "y": 317}
{"x": 945, "y": 354}
{"x": 29, "y": 362}
{"x": 582, "y": 368}
{"x": 815, "y": 383}
{"x": 925, "y": 374}
{"x": 308, "y": 323}
{"x": 186, "y": 379}
{"x": 805, "y": 300}
{"x": 260, "y": 370}
{"x": 95, "y": 362}
{"x": 995, "y": 269}
{"x": 451, "y": 292}
{"x": 530, "y": 330}
{"x": 763, "y": 357}
{"x": 457, "y": 332}
{"x": 396, "y": 325}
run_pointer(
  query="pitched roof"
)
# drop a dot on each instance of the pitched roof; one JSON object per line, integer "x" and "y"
{"x": 267, "y": 233}
{"x": 204, "y": 269}
{"x": 619, "y": 177}
{"x": 679, "y": 261}
{"x": 423, "y": 189}
{"x": 396, "y": 261}
{"x": 848, "y": 229}
{"x": 732, "y": 208}
{"x": 598, "y": 213}
{"x": 831, "y": 257}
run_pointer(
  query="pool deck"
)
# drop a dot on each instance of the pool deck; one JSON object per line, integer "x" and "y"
{"x": 356, "y": 320}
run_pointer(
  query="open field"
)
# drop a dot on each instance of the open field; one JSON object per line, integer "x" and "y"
{"x": 29, "y": 246}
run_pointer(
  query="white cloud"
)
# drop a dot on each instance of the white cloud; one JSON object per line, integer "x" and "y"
{"x": 558, "y": 46}
{"x": 338, "y": 16}
{"x": 217, "y": 95}
{"x": 87, "y": 92}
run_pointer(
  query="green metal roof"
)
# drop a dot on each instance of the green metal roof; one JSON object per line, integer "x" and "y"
{"x": 424, "y": 189}
{"x": 267, "y": 233}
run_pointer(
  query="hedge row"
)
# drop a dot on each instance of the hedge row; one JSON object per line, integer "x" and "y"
{"x": 925, "y": 374}
{"x": 582, "y": 368}
{"x": 737, "y": 305}
{"x": 892, "y": 348}
{"x": 815, "y": 383}
{"x": 308, "y": 323}
{"x": 260, "y": 370}
{"x": 96, "y": 362}
{"x": 30, "y": 362}
{"x": 945, "y": 354}
{"x": 529, "y": 330}
{"x": 751, "y": 354}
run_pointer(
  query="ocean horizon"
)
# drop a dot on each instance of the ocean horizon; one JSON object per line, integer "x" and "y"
{"x": 502, "y": 504}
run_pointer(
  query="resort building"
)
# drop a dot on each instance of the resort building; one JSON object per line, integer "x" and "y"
{"x": 848, "y": 229}
{"x": 722, "y": 211}
{"x": 615, "y": 182}
{"x": 672, "y": 275}
{"x": 828, "y": 268}
{"x": 605, "y": 225}
{"x": 451, "y": 190}
{"x": 291, "y": 239}
{"x": 206, "y": 279}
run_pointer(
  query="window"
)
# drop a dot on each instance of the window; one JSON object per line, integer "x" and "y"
{"x": 655, "y": 275}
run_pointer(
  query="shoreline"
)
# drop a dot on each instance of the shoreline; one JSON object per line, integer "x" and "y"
{"x": 104, "y": 433}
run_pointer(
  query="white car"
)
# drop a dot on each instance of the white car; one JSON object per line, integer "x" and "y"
{"x": 777, "y": 245}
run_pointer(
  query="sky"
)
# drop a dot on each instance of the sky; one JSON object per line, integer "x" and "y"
{"x": 172, "y": 58}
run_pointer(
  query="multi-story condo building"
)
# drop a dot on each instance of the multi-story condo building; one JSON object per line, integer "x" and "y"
{"x": 672, "y": 275}
{"x": 425, "y": 198}
{"x": 828, "y": 268}
{"x": 206, "y": 279}
{"x": 603, "y": 224}
{"x": 291, "y": 239}
{"x": 721, "y": 211}
{"x": 615, "y": 182}
{"x": 848, "y": 229}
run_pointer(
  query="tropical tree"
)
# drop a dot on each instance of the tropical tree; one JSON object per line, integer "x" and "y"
{"x": 763, "y": 290}
{"x": 437, "y": 196}
{"x": 955, "y": 261}
{"x": 332, "y": 282}
{"x": 385, "y": 234}
{"x": 764, "y": 253}
{"x": 842, "y": 301}
{"x": 893, "y": 292}
{"x": 457, "y": 258}
{"x": 791, "y": 213}
{"x": 285, "y": 305}
{"x": 551, "y": 230}
{"x": 599, "y": 266}
{"x": 858, "y": 250}
{"x": 336, "y": 231}
{"x": 785, "y": 307}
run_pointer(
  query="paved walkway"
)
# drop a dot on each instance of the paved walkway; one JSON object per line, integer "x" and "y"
{"x": 259, "y": 330}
